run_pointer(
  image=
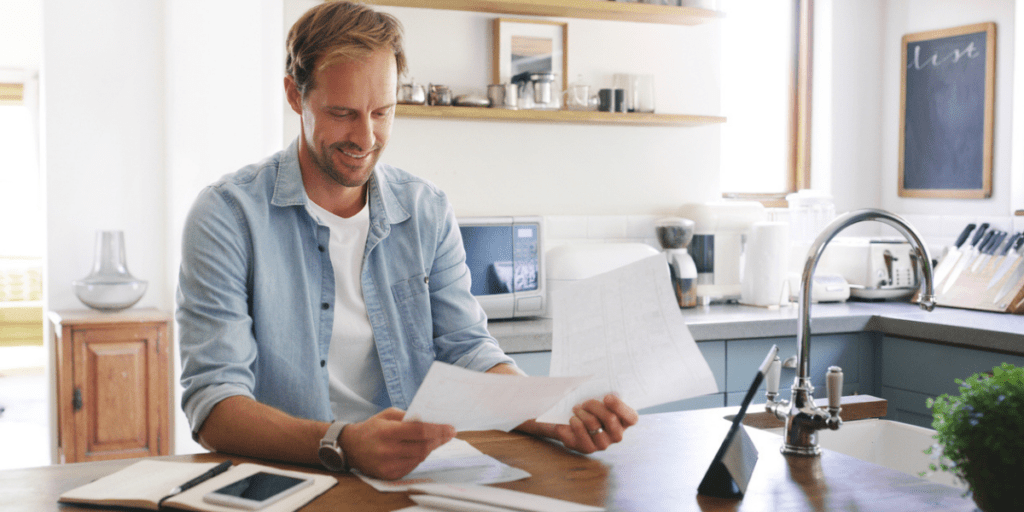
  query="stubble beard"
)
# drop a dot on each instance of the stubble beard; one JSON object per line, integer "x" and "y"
{"x": 358, "y": 175}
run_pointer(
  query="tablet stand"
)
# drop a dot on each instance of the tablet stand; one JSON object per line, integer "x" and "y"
{"x": 730, "y": 471}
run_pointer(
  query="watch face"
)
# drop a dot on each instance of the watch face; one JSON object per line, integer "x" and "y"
{"x": 331, "y": 459}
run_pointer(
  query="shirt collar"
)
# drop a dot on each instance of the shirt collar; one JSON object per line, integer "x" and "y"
{"x": 289, "y": 190}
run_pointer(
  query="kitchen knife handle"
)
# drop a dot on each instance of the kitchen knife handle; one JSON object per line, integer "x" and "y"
{"x": 997, "y": 240}
{"x": 979, "y": 234}
{"x": 963, "y": 235}
{"x": 984, "y": 242}
{"x": 1009, "y": 245}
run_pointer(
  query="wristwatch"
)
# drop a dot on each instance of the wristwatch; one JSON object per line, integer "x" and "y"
{"x": 331, "y": 454}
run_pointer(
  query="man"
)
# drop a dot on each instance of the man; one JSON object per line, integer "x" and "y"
{"x": 318, "y": 286}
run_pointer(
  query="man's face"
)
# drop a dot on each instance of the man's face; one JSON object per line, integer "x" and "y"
{"x": 347, "y": 118}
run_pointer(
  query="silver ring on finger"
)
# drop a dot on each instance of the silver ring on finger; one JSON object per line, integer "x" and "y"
{"x": 595, "y": 432}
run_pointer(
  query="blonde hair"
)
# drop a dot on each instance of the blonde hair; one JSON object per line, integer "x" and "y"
{"x": 339, "y": 31}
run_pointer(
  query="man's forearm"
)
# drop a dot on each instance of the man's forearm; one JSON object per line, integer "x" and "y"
{"x": 243, "y": 426}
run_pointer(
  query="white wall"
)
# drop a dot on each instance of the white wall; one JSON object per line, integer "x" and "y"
{"x": 21, "y": 37}
{"x": 853, "y": 168}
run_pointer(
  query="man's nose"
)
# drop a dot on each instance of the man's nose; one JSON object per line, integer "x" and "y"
{"x": 362, "y": 134}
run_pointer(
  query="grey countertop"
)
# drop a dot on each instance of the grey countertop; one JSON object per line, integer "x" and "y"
{"x": 976, "y": 329}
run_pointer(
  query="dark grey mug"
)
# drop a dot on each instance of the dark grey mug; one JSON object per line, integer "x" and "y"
{"x": 611, "y": 100}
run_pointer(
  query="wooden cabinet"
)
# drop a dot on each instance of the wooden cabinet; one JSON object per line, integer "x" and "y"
{"x": 112, "y": 384}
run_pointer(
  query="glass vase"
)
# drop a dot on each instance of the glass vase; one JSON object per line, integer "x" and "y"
{"x": 109, "y": 287}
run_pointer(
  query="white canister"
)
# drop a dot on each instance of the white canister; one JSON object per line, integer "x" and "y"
{"x": 765, "y": 267}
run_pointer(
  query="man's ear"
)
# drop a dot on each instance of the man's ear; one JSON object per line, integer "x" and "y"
{"x": 291, "y": 90}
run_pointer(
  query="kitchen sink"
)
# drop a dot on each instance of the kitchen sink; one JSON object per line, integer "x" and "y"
{"x": 892, "y": 444}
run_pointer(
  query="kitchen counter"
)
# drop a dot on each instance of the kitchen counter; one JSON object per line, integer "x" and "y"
{"x": 657, "y": 467}
{"x": 996, "y": 332}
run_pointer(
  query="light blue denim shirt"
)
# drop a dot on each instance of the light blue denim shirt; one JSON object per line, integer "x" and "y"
{"x": 256, "y": 291}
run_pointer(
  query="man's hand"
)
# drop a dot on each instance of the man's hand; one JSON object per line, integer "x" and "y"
{"x": 385, "y": 447}
{"x": 596, "y": 425}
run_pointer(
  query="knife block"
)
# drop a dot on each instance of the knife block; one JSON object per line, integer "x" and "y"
{"x": 970, "y": 289}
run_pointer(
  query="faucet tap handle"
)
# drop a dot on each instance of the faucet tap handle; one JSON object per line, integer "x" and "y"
{"x": 834, "y": 387}
{"x": 771, "y": 379}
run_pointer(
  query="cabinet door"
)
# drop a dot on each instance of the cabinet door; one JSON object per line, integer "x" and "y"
{"x": 120, "y": 387}
{"x": 914, "y": 371}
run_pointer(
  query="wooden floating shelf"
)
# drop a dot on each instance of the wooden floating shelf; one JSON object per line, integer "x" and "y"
{"x": 555, "y": 116}
{"x": 588, "y": 9}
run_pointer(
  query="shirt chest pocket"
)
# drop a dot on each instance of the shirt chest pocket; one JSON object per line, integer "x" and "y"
{"x": 412, "y": 297}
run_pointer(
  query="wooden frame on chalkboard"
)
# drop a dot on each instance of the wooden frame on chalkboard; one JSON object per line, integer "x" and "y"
{"x": 946, "y": 112}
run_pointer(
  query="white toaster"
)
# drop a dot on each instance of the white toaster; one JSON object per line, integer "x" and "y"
{"x": 877, "y": 268}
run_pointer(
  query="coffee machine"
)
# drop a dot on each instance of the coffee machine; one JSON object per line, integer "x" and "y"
{"x": 720, "y": 232}
{"x": 674, "y": 235}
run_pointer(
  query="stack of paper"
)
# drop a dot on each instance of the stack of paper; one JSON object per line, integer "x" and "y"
{"x": 478, "y": 498}
{"x": 455, "y": 462}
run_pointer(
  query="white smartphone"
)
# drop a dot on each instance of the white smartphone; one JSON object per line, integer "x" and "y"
{"x": 257, "y": 490}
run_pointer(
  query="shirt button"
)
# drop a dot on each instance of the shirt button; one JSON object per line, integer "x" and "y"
{"x": 323, "y": 363}
{"x": 320, "y": 248}
{"x": 426, "y": 279}
{"x": 325, "y": 306}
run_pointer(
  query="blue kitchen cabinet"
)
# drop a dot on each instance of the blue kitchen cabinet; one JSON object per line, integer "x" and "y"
{"x": 914, "y": 371}
{"x": 539, "y": 363}
{"x": 855, "y": 353}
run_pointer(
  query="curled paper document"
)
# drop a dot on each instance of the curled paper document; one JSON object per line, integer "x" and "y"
{"x": 470, "y": 400}
{"x": 624, "y": 328}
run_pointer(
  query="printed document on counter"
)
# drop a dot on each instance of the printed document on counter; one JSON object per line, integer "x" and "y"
{"x": 625, "y": 329}
{"x": 456, "y": 462}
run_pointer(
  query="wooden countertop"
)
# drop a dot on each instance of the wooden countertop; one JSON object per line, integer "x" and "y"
{"x": 656, "y": 468}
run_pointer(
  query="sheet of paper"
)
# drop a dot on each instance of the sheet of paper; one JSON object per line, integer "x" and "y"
{"x": 504, "y": 498}
{"x": 624, "y": 328}
{"x": 470, "y": 400}
{"x": 456, "y": 462}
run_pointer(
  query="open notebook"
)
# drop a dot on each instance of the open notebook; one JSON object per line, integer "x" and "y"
{"x": 145, "y": 483}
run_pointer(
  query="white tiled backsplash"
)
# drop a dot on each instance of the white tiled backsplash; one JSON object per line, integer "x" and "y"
{"x": 938, "y": 231}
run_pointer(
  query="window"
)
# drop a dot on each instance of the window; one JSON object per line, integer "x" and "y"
{"x": 765, "y": 96}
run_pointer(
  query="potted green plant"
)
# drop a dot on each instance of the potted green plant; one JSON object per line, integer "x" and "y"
{"x": 981, "y": 434}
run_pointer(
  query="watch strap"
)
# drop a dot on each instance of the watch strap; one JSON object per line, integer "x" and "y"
{"x": 332, "y": 438}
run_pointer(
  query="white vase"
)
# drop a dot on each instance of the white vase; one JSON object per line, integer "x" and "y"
{"x": 109, "y": 287}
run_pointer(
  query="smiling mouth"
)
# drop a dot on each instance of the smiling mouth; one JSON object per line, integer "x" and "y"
{"x": 354, "y": 155}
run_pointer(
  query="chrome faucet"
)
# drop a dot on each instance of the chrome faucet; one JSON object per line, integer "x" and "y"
{"x": 803, "y": 418}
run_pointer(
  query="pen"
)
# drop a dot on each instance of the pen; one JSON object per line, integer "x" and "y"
{"x": 218, "y": 469}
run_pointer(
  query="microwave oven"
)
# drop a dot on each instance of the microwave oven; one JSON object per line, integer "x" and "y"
{"x": 505, "y": 257}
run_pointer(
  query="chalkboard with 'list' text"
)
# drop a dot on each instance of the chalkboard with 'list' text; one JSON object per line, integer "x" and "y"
{"x": 946, "y": 117}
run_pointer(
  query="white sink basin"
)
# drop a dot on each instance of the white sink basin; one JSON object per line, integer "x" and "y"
{"x": 892, "y": 444}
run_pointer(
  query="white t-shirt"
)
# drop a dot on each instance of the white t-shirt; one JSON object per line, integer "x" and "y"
{"x": 355, "y": 378}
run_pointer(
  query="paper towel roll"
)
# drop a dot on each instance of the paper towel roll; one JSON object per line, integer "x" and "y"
{"x": 766, "y": 265}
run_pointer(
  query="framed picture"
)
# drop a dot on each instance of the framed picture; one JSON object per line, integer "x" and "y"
{"x": 946, "y": 112}
{"x": 529, "y": 46}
